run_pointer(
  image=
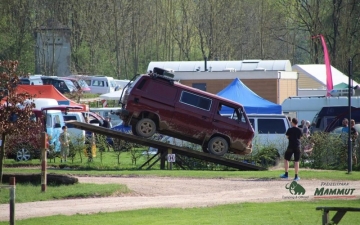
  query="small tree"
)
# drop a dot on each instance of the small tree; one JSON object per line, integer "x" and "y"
{"x": 15, "y": 113}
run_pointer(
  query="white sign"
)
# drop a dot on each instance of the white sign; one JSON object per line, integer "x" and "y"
{"x": 171, "y": 157}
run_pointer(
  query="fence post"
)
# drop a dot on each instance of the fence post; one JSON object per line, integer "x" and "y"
{"x": 43, "y": 161}
{"x": 12, "y": 200}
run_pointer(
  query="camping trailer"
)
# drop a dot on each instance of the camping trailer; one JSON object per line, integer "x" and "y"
{"x": 306, "y": 107}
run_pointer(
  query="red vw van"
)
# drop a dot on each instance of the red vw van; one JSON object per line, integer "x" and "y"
{"x": 155, "y": 102}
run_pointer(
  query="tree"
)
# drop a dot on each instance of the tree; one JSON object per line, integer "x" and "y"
{"x": 15, "y": 113}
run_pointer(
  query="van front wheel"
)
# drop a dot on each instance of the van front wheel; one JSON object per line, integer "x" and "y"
{"x": 145, "y": 128}
{"x": 218, "y": 146}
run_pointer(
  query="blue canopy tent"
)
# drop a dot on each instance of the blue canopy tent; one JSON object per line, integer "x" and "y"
{"x": 253, "y": 103}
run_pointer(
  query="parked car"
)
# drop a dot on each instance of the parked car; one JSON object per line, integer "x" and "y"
{"x": 63, "y": 85}
{"x": 270, "y": 130}
{"x": 79, "y": 84}
{"x": 155, "y": 102}
{"x": 108, "y": 112}
{"x": 337, "y": 121}
{"x": 326, "y": 115}
{"x": 96, "y": 119}
{"x": 120, "y": 84}
{"x": 99, "y": 84}
{"x": 31, "y": 80}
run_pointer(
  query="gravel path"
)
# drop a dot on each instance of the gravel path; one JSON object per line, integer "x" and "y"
{"x": 155, "y": 192}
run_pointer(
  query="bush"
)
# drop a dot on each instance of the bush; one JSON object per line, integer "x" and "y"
{"x": 267, "y": 156}
{"x": 327, "y": 151}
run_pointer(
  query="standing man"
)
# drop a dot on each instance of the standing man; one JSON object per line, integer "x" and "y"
{"x": 354, "y": 137}
{"x": 302, "y": 124}
{"x": 294, "y": 135}
{"x": 64, "y": 141}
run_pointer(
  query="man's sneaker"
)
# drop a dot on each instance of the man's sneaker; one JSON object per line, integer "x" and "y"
{"x": 296, "y": 178}
{"x": 284, "y": 176}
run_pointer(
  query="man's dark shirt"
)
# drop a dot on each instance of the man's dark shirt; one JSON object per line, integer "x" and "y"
{"x": 294, "y": 134}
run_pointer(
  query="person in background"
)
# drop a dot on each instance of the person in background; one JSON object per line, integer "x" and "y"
{"x": 345, "y": 124}
{"x": 294, "y": 135}
{"x": 306, "y": 129}
{"x": 354, "y": 135}
{"x": 289, "y": 118}
{"x": 108, "y": 119}
{"x": 302, "y": 124}
{"x": 65, "y": 143}
{"x": 89, "y": 141}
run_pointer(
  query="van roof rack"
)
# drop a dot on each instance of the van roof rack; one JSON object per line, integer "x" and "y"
{"x": 162, "y": 73}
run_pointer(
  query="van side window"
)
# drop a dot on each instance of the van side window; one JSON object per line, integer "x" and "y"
{"x": 48, "y": 121}
{"x": 237, "y": 114}
{"x": 88, "y": 82}
{"x": 98, "y": 83}
{"x": 56, "y": 121}
{"x": 241, "y": 116}
{"x": 195, "y": 100}
{"x": 141, "y": 85}
{"x": 271, "y": 126}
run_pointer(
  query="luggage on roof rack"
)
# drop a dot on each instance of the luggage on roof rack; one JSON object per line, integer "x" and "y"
{"x": 163, "y": 72}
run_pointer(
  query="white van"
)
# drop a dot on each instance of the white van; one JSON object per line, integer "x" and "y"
{"x": 120, "y": 84}
{"x": 100, "y": 84}
{"x": 31, "y": 80}
{"x": 270, "y": 130}
{"x": 108, "y": 112}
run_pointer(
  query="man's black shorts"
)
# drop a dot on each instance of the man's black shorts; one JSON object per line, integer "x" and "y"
{"x": 289, "y": 152}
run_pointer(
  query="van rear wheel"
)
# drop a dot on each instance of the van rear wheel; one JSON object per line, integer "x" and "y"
{"x": 218, "y": 146}
{"x": 145, "y": 128}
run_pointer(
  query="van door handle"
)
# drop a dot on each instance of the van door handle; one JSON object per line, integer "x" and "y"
{"x": 215, "y": 120}
{"x": 204, "y": 117}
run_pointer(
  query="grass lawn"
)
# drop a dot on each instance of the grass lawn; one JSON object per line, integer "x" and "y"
{"x": 285, "y": 213}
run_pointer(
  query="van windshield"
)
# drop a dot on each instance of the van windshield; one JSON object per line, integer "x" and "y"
{"x": 112, "y": 84}
{"x": 76, "y": 84}
{"x": 70, "y": 85}
{"x": 82, "y": 83}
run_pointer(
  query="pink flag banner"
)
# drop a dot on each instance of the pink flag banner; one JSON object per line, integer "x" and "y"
{"x": 329, "y": 82}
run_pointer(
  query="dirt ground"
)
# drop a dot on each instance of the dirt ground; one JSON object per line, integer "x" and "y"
{"x": 155, "y": 192}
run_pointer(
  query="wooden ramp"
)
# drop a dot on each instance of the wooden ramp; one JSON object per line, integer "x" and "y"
{"x": 164, "y": 148}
